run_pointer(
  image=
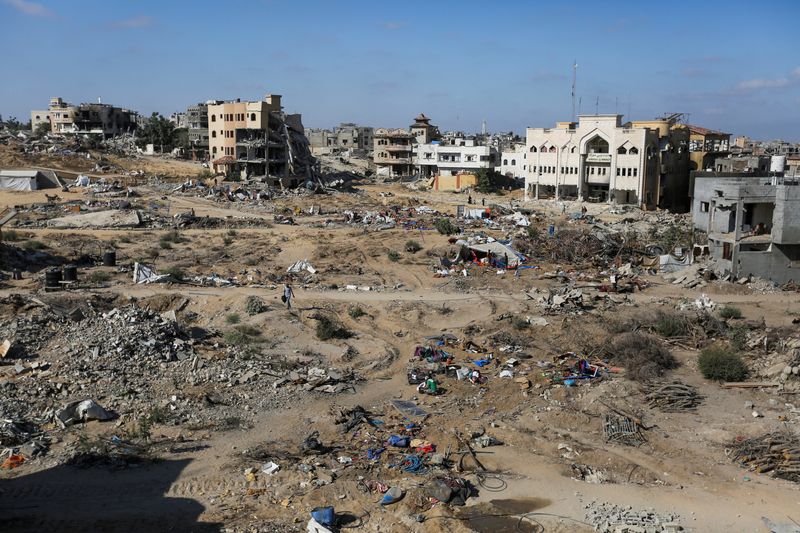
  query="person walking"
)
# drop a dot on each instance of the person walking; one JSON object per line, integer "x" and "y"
{"x": 288, "y": 294}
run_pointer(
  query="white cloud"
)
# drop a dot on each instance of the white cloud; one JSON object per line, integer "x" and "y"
{"x": 769, "y": 83}
{"x": 140, "y": 21}
{"x": 29, "y": 8}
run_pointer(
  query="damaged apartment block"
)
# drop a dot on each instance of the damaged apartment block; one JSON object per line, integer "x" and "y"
{"x": 753, "y": 225}
{"x": 258, "y": 141}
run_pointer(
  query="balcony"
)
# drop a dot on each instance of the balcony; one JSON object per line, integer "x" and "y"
{"x": 398, "y": 148}
{"x": 393, "y": 160}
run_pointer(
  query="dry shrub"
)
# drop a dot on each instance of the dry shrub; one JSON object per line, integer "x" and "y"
{"x": 642, "y": 355}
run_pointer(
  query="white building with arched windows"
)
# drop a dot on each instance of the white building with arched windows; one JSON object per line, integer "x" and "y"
{"x": 596, "y": 159}
{"x": 514, "y": 163}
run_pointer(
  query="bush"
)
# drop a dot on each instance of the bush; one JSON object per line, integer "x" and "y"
{"x": 255, "y": 305}
{"x": 165, "y": 245}
{"x": 642, "y": 355}
{"x": 356, "y": 312}
{"x": 445, "y": 226}
{"x": 242, "y": 335}
{"x": 232, "y": 232}
{"x": 99, "y": 277}
{"x": 227, "y": 241}
{"x": 125, "y": 239}
{"x": 175, "y": 272}
{"x": 737, "y": 336}
{"x": 671, "y": 325}
{"x": 233, "y": 318}
{"x": 721, "y": 363}
{"x": 11, "y": 236}
{"x": 393, "y": 256}
{"x": 33, "y": 246}
{"x": 729, "y": 311}
{"x": 413, "y": 246}
{"x": 328, "y": 328}
{"x": 174, "y": 237}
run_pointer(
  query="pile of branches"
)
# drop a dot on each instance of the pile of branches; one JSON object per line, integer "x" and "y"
{"x": 777, "y": 452}
{"x": 672, "y": 397}
{"x": 573, "y": 246}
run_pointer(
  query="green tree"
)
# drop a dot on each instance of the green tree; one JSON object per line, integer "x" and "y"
{"x": 158, "y": 131}
{"x": 42, "y": 129}
{"x": 487, "y": 180}
{"x": 14, "y": 125}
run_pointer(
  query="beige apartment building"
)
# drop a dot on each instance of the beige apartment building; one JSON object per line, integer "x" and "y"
{"x": 91, "y": 119}
{"x": 253, "y": 139}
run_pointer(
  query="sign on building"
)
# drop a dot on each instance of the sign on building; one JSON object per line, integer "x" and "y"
{"x": 598, "y": 158}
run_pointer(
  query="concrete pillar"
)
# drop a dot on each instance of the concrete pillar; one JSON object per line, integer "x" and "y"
{"x": 737, "y": 233}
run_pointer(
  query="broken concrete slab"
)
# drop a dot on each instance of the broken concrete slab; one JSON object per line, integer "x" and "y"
{"x": 99, "y": 219}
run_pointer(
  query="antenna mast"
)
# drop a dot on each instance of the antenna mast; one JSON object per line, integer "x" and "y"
{"x": 574, "y": 81}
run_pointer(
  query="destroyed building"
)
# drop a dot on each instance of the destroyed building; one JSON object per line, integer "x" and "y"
{"x": 91, "y": 119}
{"x": 705, "y": 146}
{"x": 197, "y": 124}
{"x": 753, "y": 225}
{"x": 346, "y": 136}
{"x": 258, "y": 140}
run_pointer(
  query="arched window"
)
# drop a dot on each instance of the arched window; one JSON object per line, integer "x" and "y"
{"x": 214, "y": 133}
{"x": 505, "y": 161}
{"x": 214, "y": 150}
{"x": 597, "y": 145}
{"x": 533, "y": 149}
{"x": 621, "y": 150}
{"x": 513, "y": 162}
{"x": 573, "y": 149}
{"x": 213, "y": 118}
{"x": 552, "y": 149}
{"x": 633, "y": 151}
{"x": 252, "y": 116}
{"x": 543, "y": 148}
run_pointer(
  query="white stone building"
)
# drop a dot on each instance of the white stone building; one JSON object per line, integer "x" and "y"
{"x": 595, "y": 159}
{"x": 456, "y": 156}
{"x": 514, "y": 163}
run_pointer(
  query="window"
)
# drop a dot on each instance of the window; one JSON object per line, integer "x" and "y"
{"x": 621, "y": 150}
{"x": 704, "y": 207}
{"x": 513, "y": 161}
{"x": 533, "y": 149}
{"x": 214, "y": 150}
{"x": 252, "y": 116}
{"x": 543, "y": 148}
{"x": 635, "y": 172}
{"x": 505, "y": 161}
{"x": 617, "y": 171}
{"x": 214, "y": 134}
{"x": 633, "y": 151}
{"x": 573, "y": 149}
{"x": 552, "y": 149}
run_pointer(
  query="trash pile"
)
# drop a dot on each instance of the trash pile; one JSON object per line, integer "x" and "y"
{"x": 609, "y": 518}
{"x": 776, "y": 453}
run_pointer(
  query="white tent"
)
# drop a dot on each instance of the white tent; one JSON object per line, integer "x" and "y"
{"x": 19, "y": 180}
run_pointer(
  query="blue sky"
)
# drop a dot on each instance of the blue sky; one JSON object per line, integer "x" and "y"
{"x": 731, "y": 65}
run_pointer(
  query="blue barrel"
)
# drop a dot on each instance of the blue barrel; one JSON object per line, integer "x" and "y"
{"x": 551, "y": 230}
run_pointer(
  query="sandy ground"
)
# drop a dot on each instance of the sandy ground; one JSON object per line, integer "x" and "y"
{"x": 199, "y": 486}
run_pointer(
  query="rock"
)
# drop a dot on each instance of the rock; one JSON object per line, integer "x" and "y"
{"x": 756, "y": 414}
{"x": 748, "y": 405}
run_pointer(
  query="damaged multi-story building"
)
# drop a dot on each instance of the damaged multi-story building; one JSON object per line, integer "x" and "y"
{"x": 101, "y": 120}
{"x": 346, "y": 136}
{"x": 752, "y": 223}
{"x": 253, "y": 140}
{"x": 393, "y": 152}
{"x": 197, "y": 128}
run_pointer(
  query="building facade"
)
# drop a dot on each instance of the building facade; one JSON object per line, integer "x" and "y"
{"x": 452, "y": 157}
{"x": 705, "y": 146}
{"x": 393, "y": 152}
{"x": 753, "y": 225}
{"x": 514, "y": 163}
{"x": 594, "y": 159}
{"x": 99, "y": 119}
{"x": 346, "y": 136}
{"x": 243, "y": 139}
{"x": 197, "y": 126}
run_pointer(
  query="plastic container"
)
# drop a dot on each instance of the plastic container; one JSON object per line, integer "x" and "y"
{"x": 324, "y": 515}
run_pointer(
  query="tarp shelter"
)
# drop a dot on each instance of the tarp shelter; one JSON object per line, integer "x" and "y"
{"x": 499, "y": 251}
{"x": 674, "y": 262}
{"x": 28, "y": 180}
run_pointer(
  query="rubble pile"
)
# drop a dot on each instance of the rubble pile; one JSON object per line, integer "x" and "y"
{"x": 672, "y": 397}
{"x": 777, "y": 453}
{"x": 609, "y": 518}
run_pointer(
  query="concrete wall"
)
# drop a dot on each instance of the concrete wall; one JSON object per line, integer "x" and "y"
{"x": 780, "y": 264}
{"x": 786, "y": 217}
